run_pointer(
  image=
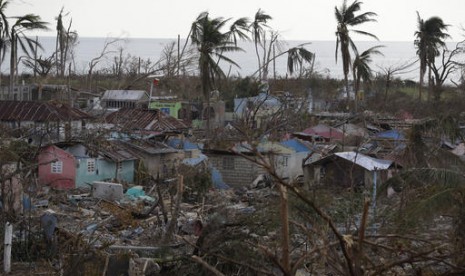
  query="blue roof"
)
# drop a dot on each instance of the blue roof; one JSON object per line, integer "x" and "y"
{"x": 194, "y": 161}
{"x": 296, "y": 145}
{"x": 179, "y": 144}
{"x": 391, "y": 134}
{"x": 265, "y": 100}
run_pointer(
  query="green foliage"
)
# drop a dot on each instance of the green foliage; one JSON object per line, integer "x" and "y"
{"x": 197, "y": 182}
{"x": 238, "y": 88}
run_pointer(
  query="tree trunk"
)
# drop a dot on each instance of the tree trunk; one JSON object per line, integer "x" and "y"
{"x": 285, "y": 257}
{"x": 174, "y": 216}
{"x": 12, "y": 66}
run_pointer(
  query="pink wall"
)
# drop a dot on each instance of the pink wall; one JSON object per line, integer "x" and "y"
{"x": 65, "y": 180}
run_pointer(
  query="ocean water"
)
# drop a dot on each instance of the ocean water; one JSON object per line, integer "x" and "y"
{"x": 395, "y": 55}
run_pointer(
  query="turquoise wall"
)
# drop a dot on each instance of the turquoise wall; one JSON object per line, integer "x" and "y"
{"x": 105, "y": 170}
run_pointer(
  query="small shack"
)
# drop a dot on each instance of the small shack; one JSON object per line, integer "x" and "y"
{"x": 348, "y": 169}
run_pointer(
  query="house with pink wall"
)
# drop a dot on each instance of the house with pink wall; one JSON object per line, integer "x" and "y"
{"x": 70, "y": 165}
{"x": 57, "y": 168}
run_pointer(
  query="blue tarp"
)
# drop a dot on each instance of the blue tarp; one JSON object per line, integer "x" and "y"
{"x": 194, "y": 161}
{"x": 296, "y": 145}
{"x": 391, "y": 134}
{"x": 180, "y": 144}
{"x": 217, "y": 179}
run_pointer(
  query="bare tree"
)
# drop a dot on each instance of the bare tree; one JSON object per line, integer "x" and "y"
{"x": 390, "y": 72}
{"x": 448, "y": 65}
{"x": 107, "y": 49}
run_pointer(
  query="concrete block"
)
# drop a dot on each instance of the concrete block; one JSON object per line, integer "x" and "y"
{"x": 107, "y": 190}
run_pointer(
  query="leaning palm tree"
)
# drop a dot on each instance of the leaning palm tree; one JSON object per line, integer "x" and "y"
{"x": 429, "y": 38}
{"x": 346, "y": 18}
{"x": 4, "y": 33}
{"x": 296, "y": 58}
{"x": 239, "y": 29}
{"x": 19, "y": 38}
{"x": 212, "y": 43}
{"x": 258, "y": 34}
{"x": 361, "y": 69}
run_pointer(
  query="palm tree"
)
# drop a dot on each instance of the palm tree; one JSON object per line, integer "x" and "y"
{"x": 239, "y": 29}
{"x": 361, "y": 69}
{"x": 59, "y": 42}
{"x": 258, "y": 33}
{"x": 346, "y": 18}
{"x": 211, "y": 43}
{"x": 296, "y": 58}
{"x": 18, "y": 37}
{"x": 432, "y": 182}
{"x": 4, "y": 33}
{"x": 430, "y": 37}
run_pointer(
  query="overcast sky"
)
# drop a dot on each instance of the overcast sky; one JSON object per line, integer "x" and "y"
{"x": 294, "y": 19}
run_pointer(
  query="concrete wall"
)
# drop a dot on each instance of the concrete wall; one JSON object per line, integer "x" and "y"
{"x": 104, "y": 170}
{"x": 165, "y": 165}
{"x": 292, "y": 167}
{"x": 63, "y": 180}
{"x": 235, "y": 170}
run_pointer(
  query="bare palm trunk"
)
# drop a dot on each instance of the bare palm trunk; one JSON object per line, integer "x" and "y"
{"x": 258, "y": 59}
{"x": 12, "y": 67}
{"x": 346, "y": 84}
{"x": 420, "y": 88}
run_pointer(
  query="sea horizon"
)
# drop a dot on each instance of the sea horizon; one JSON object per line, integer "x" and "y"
{"x": 395, "y": 54}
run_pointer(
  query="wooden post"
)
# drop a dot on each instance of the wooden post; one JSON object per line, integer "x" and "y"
{"x": 7, "y": 247}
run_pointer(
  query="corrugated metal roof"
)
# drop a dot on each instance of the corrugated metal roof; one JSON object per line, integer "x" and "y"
{"x": 323, "y": 131}
{"x": 39, "y": 112}
{"x": 150, "y": 147}
{"x": 367, "y": 162}
{"x": 145, "y": 119}
{"x": 124, "y": 95}
{"x": 364, "y": 161}
{"x": 116, "y": 151}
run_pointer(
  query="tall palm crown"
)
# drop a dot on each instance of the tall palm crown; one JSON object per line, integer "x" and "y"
{"x": 239, "y": 29}
{"x": 211, "y": 43}
{"x": 297, "y": 56}
{"x": 361, "y": 65}
{"x": 430, "y": 37}
{"x": 257, "y": 28}
{"x": 346, "y": 18}
{"x": 18, "y": 37}
{"x": 4, "y": 32}
{"x": 4, "y": 29}
{"x": 361, "y": 69}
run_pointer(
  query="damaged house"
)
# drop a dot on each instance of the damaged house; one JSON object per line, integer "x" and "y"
{"x": 159, "y": 159}
{"x": 73, "y": 165}
{"x": 229, "y": 162}
{"x": 348, "y": 169}
{"x": 144, "y": 122}
{"x": 42, "y": 121}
